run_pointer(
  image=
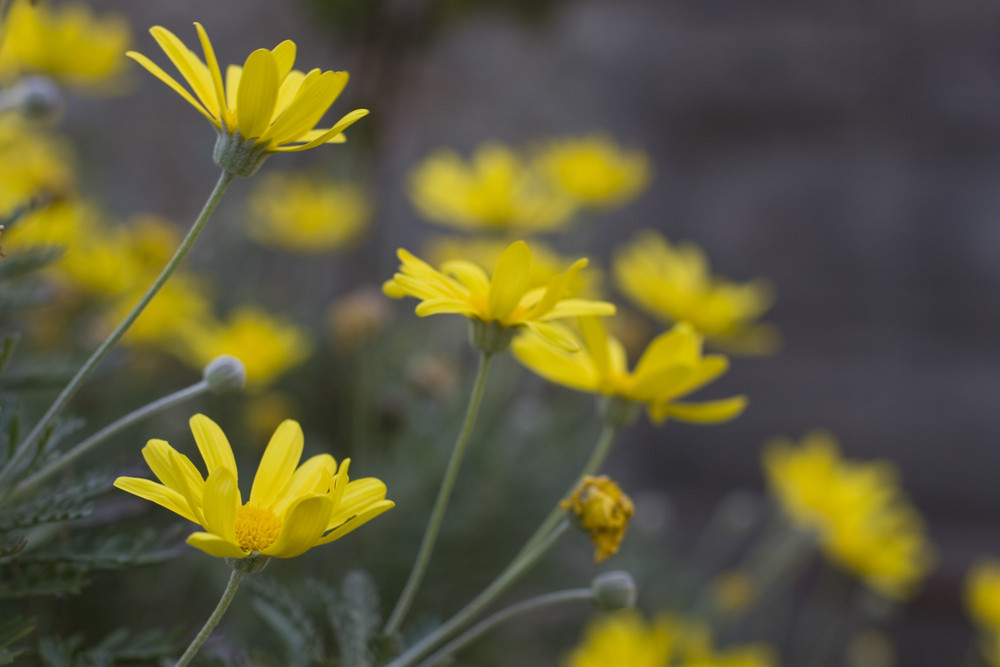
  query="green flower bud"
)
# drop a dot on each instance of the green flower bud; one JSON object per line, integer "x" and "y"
{"x": 614, "y": 590}
{"x": 225, "y": 374}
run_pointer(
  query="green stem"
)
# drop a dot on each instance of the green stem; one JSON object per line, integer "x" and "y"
{"x": 597, "y": 458}
{"x": 87, "y": 445}
{"x": 441, "y": 504}
{"x": 227, "y": 596}
{"x": 490, "y": 622}
{"x": 67, "y": 393}
{"x": 498, "y": 586}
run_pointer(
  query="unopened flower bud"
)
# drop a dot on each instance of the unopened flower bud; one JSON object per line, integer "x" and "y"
{"x": 38, "y": 98}
{"x": 614, "y": 590}
{"x": 225, "y": 374}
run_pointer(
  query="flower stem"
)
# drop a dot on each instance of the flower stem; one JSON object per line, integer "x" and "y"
{"x": 441, "y": 504}
{"x": 227, "y": 596}
{"x": 111, "y": 429}
{"x": 593, "y": 465}
{"x": 498, "y": 586}
{"x": 490, "y": 622}
{"x": 74, "y": 384}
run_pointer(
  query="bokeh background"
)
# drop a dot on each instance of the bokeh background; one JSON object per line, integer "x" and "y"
{"x": 848, "y": 152}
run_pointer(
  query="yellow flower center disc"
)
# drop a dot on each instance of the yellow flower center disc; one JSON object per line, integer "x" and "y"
{"x": 256, "y": 528}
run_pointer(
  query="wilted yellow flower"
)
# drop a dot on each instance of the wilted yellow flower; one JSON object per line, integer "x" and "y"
{"x": 624, "y": 639}
{"x": 671, "y": 367}
{"x": 674, "y": 283}
{"x": 291, "y": 509}
{"x": 603, "y": 510}
{"x": 68, "y": 43}
{"x": 860, "y": 515}
{"x": 546, "y": 264}
{"x": 32, "y": 164}
{"x": 496, "y": 191}
{"x": 265, "y": 106}
{"x": 304, "y": 214}
{"x": 507, "y": 298}
{"x": 594, "y": 170}
{"x": 267, "y": 346}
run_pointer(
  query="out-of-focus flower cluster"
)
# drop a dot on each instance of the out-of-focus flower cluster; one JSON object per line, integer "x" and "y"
{"x": 626, "y": 639}
{"x": 858, "y": 512}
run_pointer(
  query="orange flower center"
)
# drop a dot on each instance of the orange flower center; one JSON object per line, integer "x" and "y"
{"x": 256, "y": 528}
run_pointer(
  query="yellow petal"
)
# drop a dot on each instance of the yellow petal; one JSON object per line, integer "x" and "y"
{"x": 213, "y": 445}
{"x": 213, "y": 70}
{"x": 556, "y": 288}
{"x": 220, "y": 502}
{"x": 308, "y": 479}
{"x": 185, "y": 61}
{"x": 571, "y": 370}
{"x": 468, "y": 274}
{"x": 216, "y": 546}
{"x": 156, "y": 71}
{"x": 278, "y": 464}
{"x": 437, "y": 306}
{"x": 555, "y": 334}
{"x": 511, "y": 280}
{"x": 595, "y": 339}
{"x": 580, "y": 308}
{"x": 710, "y": 412}
{"x": 357, "y": 521}
{"x": 176, "y": 472}
{"x": 704, "y": 372}
{"x": 333, "y": 135}
{"x": 284, "y": 58}
{"x": 314, "y": 97}
{"x": 156, "y": 493}
{"x": 257, "y": 93}
{"x": 302, "y": 527}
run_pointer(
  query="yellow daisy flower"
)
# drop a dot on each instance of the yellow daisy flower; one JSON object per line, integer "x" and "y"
{"x": 594, "y": 170}
{"x": 505, "y": 298}
{"x": 671, "y": 367}
{"x": 495, "y": 191}
{"x": 858, "y": 511}
{"x": 68, "y": 43}
{"x": 304, "y": 214}
{"x": 674, "y": 284}
{"x": 264, "y": 106}
{"x": 291, "y": 509}
{"x": 33, "y": 164}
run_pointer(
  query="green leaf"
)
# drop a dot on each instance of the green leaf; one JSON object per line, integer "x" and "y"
{"x": 280, "y": 610}
{"x": 354, "y": 615}
{"x": 28, "y": 261}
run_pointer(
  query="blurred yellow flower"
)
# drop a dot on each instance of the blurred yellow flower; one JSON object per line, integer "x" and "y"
{"x": 982, "y": 594}
{"x": 546, "y": 264}
{"x": 506, "y": 298}
{"x": 594, "y": 170}
{"x": 68, "y": 43}
{"x": 603, "y": 510}
{"x": 671, "y": 367}
{"x": 33, "y": 164}
{"x": 304, "y": 214}
{"x": 291, "y": 509}
{"x": 858, "y": 511}
{"x": 267, "y": 346}
{"x": 733, "y": 591}
{"x": 264, "y": 106}
{"x": 182, "y": 303}
{"x": 624, "y": 639}
{"x": 496, "y": 191}
{"x": 674, "y": 284}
